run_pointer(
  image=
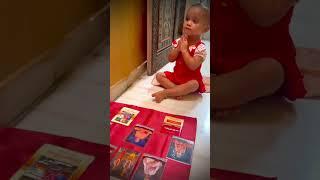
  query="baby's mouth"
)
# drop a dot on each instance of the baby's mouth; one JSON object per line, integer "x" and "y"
{"x": 186, "y": 30}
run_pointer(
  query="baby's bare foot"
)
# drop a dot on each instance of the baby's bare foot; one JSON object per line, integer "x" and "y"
{"x": 159, "y": 96}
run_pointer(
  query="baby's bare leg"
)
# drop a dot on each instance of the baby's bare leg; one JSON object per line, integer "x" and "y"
{"x": 178, "y": 90}
{"x": 257, "y": 79}
{"x": 164, "y": 81}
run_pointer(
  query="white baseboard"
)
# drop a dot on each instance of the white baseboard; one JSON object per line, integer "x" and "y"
{"x": 121, "y": 86}
{"x": 23, "y": 88}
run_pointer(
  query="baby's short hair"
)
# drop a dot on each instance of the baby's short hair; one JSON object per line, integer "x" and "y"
{"x": 205, "y": 11}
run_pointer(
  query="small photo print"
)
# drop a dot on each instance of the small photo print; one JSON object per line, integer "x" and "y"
{"x": 140, "y": 135}
{"x": 112, "y": 148}
{"x": 181, "y": 150}
{"x": 150, "y": 168}
{"x": 125, "y": 116}
{"x": 123, "y": 163}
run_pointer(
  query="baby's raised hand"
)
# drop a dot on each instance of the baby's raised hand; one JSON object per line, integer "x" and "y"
{"x": 184, "y": 43}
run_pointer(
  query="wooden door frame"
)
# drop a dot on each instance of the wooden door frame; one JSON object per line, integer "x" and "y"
{"x": 149, "y": 36}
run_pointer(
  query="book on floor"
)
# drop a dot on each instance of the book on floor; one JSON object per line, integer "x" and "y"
{"x": 54, "y": 162}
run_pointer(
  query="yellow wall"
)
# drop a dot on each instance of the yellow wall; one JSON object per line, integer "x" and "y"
{"x": 127, "y": 37}
{"x": 29, "y": 28}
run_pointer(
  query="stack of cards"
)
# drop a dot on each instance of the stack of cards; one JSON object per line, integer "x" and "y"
{"x": 172, "y": 125}
{"x": 125, "y": 116}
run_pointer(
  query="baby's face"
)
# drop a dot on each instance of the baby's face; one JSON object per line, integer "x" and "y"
{"x": 195, "y": 22}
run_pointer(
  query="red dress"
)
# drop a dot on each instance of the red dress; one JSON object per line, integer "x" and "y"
{"x": 238, "y": 41}
{"x": 181, "y": 73}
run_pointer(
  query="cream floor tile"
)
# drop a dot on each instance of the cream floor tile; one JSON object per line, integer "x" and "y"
{"x": 194, "y": 105}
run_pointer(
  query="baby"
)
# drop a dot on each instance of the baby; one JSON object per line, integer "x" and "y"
{"x": 189, "y": 52}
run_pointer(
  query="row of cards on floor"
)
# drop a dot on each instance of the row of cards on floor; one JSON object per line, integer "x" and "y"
{"x": 150, "y": 167}
{"x": 170, "y": 125}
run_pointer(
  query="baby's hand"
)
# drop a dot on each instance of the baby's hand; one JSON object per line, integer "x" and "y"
{"x": 179, "y": 45}
{"x": 184, "y": 43}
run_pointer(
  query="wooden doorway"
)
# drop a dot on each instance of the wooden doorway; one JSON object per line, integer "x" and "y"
{"x": 164, "y": 18}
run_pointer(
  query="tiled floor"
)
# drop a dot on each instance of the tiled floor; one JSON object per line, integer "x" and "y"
{"x": 76, "y": 108}
{"x": 192, "y": 105}
{"x": 272, "y": 137}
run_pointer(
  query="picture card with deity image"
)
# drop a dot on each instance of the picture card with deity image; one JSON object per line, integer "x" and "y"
{"x": 140, "y": 135}
{"x": 150, "y": 167}
{"x": 181, "y": 150}
{"x": 123, "y": 163}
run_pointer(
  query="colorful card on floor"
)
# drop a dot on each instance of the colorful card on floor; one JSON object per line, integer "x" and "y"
{"x": 181, "y": 150}
{"x": 172, "y": 125}
{"x": 125, "y": 116}
{"x": 150, "y": 167}
{"x": 123, "y": 163}
{"x": 112, "y": 148}
{"x": 140, "y": 135}
{"x": 53, "y": 162}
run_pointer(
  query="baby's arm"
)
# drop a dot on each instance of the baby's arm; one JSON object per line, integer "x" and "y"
{"x": 173, "y": 54}
{"x": 192, "y": 62}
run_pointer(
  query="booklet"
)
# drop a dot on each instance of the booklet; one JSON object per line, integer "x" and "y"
{"x": 54, "y": 162}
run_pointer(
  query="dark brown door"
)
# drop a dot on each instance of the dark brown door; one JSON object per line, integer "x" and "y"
{"x": 164, "y": 20}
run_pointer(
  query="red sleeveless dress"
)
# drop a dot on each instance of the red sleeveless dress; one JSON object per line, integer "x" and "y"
{"x": 182, "y": 74}
{"x": 238, "y": 41}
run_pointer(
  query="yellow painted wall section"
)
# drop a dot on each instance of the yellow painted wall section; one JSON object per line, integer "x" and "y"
{"x": 127, "y": 37}
{"x": 29, "y": 28}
